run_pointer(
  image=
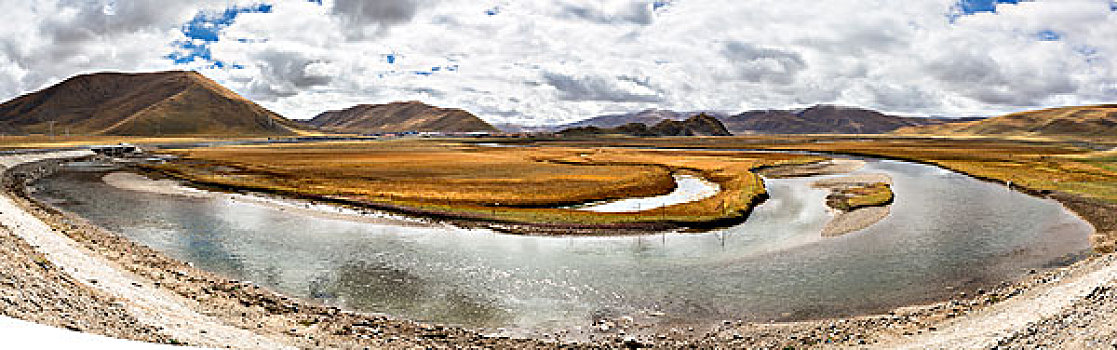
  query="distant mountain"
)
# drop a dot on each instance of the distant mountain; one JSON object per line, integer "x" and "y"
{"x": 513, "y": 127}
{"x": 1098, "y": 120}
{"x": 821, "y": 119}
{"x": 646, "y": 117}
{"x": 400, "y": 117}
{"x": 141, "y": 104}
{"x": 699, "y": 125}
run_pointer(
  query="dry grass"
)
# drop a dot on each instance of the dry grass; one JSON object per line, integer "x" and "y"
{"x": 1039, "y": 166}
{"x": 856, "y": 197}
{"x": 521, "y": 185}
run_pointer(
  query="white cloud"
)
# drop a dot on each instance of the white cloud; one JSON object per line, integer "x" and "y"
{"x": 545, "y": 62}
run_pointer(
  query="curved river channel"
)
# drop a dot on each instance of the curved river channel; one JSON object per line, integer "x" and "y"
{"x": 946, "y": 232}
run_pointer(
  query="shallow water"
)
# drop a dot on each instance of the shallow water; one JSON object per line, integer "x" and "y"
{"x": 688, "y": 188}
{"x": 945, "y": 230}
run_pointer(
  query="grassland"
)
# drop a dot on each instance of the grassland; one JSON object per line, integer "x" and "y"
{"x": 1036, "y": 166}
{"x": 857, "y": 197}
{"x": 1076, "y": 173}
{"x": 516, "y": 185}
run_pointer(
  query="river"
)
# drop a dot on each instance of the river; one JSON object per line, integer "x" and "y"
{"x": 946, "y": 232}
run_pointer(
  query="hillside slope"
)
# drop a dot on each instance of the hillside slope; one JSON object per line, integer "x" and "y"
{"x": 399, "y": 117}
{"x": 140, "y": 104}
{"x": 699, "y": 125}
{"x": 1098, "y": 120}
{"x": 646, "y": 117}
{"x": 822, "y": 119}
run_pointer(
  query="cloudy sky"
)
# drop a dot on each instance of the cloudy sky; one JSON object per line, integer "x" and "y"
{"x": 539, "y": 62}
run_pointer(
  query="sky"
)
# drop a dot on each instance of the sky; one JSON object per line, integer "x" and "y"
{"x": 548, "y": 62}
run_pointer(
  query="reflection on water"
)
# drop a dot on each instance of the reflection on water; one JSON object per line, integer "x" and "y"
{"x": 945, "y": 230}
{"x": 688, "y": 188}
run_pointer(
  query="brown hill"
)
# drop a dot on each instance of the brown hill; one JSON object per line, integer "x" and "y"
{"x": 400, "y": 117}
{"x": 821, "y": 119}
{"x": 141, "y": 104}
{"x": 1067, "y": 121}
{"x": 699, "y": 125}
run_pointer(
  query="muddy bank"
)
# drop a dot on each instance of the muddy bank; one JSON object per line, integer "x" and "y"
{"x": 136, "y": 182}
{"x": 140, "y": 183}
{"x": 1102, "y": 215}
{"x": 826, "y": 167}
{"x": 848, "y": 218}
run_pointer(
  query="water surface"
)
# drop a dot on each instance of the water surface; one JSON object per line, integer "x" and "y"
{"x": 688, "y": 188}
{"x": 945, "y": 230}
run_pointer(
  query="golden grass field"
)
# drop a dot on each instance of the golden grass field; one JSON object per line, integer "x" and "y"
{"x": 856, "y": 197}
{"x": 510, "y": 184}
{"x": 1039, "y": 166}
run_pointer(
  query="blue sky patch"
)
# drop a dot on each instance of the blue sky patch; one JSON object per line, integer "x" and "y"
{"x": 1049, "y": 35}
{"x": 205, "y": 28}
{"x": 970, "y": 7}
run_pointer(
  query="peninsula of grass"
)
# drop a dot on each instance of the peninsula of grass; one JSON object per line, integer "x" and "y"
{"x": 1081, "y": 175}
{"x": 509, "y": 185}
{"x": 1051, "y": 166}
{"x": 862, "y": 196}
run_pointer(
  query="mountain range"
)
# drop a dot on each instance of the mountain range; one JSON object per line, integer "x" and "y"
{"x": 824, "y": 119}
{"x": 179, "y": 103}
{"x": 646, "y": 117}
{"x": 698, "y": 125}
{"x": 819, "y": 119}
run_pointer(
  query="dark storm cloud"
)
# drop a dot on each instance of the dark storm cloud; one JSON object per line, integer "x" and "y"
{"x": 637, "y": 12}
{"x": 594, "y": 88}
{"x": 375, "y": 16}
{"x": 763, "y": 65}
{"x": 285, "y": 73}
{"x": 92, "y": 19}
{"x": 983, "y": 78}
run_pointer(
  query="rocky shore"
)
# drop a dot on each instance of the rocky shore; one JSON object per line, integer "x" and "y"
{"x": 237, "y": 306}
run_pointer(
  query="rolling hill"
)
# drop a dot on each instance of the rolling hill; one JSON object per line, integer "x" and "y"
{"x": 646, "y": 117}
{"x": 699, "y": 125}
{"x": 822, "y": 119}
{"x": 1098, "y": 120}
{"x": 140, "y": 104}
{"x": 399, "y": 117}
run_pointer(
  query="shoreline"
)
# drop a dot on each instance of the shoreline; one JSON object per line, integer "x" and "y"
{"x": 466, "y": 220}
{"x": 131, "y": 181}
{"x": 859, "y": 218}
{"x": 294, "y": 320}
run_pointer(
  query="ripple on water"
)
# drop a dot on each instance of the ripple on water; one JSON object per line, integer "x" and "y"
{"x": 944, "y": 230}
